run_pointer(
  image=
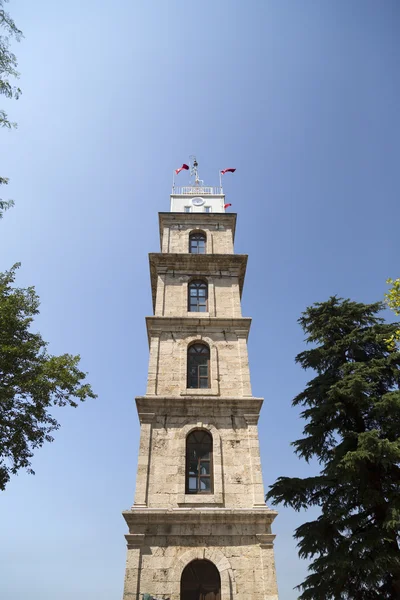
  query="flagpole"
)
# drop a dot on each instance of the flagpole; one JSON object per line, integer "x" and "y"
{"x": 220, "y": 182}
{"x": 173, "y": 181}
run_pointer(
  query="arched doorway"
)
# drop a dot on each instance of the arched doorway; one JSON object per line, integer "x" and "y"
{"x": 200, "y": 581}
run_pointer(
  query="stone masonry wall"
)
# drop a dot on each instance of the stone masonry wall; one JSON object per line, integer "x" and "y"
{"x": 176, "y": 238}
{"x": 229, "y": 364}
{"x": 223, "y": 296}
{"x": 247, "y": 570}
{"x": 237, "y": 473}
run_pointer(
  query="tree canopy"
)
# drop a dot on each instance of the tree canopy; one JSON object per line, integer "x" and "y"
{"x": 352, "y": 413}
{"x": 31, "y": 380}
{"x": 8, "y": 72}
{"x": 392, "y": 299}
{"x": 393, "y": 295}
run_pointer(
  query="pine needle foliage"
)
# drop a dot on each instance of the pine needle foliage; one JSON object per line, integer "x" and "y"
{"x": 31, "y": 380}
{"x": 352, "y": 413}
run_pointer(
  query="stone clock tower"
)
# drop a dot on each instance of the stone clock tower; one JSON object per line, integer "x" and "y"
{"x": 199, "y": 528}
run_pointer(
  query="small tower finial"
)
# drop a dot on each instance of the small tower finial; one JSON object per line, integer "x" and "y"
{"x": 194, "y": 170}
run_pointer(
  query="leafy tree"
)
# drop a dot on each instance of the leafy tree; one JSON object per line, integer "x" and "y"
{"x": 352, "y": 409}
{"x": 8, "y": 62}
{"x": 4, "y": 204}
{"x": 392, "y": 298}
{"x": 8, "y": 70}
{"x": 31, "y": 380}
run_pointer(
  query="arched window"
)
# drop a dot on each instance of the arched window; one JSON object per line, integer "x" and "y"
{"x": 199, "y": 449}
{"x": 197, "y": 243}
{"x": 197, "y": 296}
{"x": 198, "y": 366}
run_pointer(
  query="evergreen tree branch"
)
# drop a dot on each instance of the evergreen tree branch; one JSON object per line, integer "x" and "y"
{"x": 352, "y": 414}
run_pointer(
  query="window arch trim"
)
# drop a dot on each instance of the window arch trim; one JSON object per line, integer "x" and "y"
{"x": 198, "y": 365}
{"x": 217, "y": 496}
{"x": 197, "y": 295}
{"x": 197, "y": 242}
{"x": 223, "y": 564}
{"x": 199, "y": 464}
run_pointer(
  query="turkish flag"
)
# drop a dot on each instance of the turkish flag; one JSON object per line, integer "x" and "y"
{"x": 183, "y": 167}
{"x": 227, "y": 171}
{"x": 226, "y": 205}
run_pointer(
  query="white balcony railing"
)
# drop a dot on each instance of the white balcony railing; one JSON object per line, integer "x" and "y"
{"x": 197, "y": 190}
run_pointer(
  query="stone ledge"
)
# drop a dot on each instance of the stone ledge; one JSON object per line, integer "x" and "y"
{"x": 199, "y": 392}
{"x": 200, "y": 500}
{"x": 226, "y": 516}
{"x": 191, "y": 326}
{"x": 134, "y": 540}
{"x": 198, "y": 406}
{"x": 266, "y": 539}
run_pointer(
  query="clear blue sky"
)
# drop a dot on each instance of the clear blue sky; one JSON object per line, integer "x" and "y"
{"x": 303, "y": 99}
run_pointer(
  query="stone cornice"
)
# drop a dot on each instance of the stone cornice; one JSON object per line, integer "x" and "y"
{"x": 198, "y": 326}
{"x": 199, "y": 406}
{"x": 196, "y": 265}
{"x": 147, "y": 417}
{"x": 135, "y": 540}
{"x": 266, "y": 540}
{"x": 217, "y": 516}
{"x": 251, "y": 418}
{"x": 197, "y": 220}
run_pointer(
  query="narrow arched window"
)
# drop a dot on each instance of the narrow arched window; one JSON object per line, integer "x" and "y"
{"x": 198, "y": 366}
{"x": 197, "y": 296}
{"x": 197, "y": 243}
{"x": 199, "y": 449}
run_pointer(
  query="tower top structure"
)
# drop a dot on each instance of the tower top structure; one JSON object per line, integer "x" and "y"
{"x": 197, "y": 197}
{"x": 199, "y": 527}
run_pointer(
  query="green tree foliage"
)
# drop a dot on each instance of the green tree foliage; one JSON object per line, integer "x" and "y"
{"x": 392, "y": 297}
{"x": 8, "y": 61}
{"x": 31, "y": 380}
{"x": 8, "y": 72}
{"x": 352, "y": 412}
{"x": 4, "y": 204}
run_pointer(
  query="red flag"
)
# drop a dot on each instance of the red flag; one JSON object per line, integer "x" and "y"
{"x": 182, "y": 168}
{"x": 227, "y": 171}
{"x": 226, "y": 205}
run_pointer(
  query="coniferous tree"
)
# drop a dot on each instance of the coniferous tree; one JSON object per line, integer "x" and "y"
{"x": 352, "y": 409}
